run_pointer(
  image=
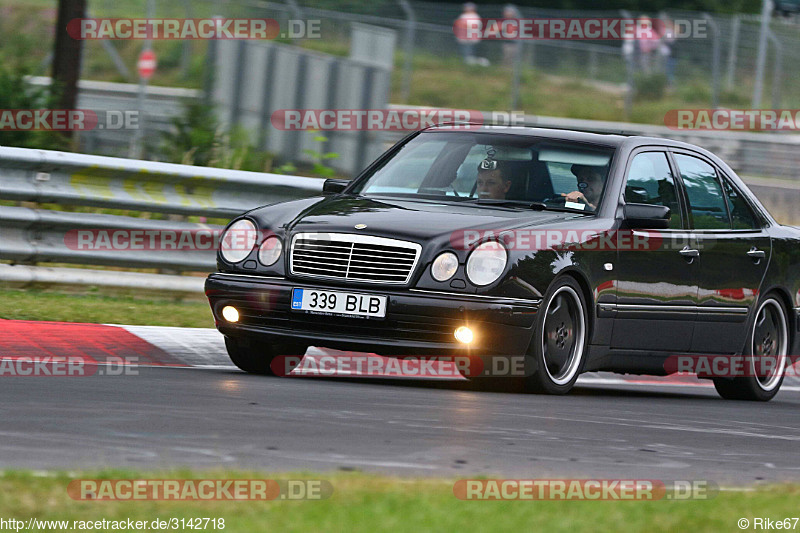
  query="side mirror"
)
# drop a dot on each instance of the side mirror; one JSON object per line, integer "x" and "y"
{"x": 646, "y": 216}
{"x": 334, "y": 186}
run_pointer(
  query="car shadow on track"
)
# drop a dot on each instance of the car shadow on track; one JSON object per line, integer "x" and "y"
{"x": 508, "y": 386}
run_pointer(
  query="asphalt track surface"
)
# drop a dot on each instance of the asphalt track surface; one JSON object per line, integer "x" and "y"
{"x": 219, "y": 417}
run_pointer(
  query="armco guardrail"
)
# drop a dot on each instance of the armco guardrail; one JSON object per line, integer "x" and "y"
{"x": 29, "y": 236}
{"x": 39, "y": 235}
{"x": 77, "y": 179}
{"x": 162, "y": 105}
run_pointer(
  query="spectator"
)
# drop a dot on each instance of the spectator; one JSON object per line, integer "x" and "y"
{"x": 511, "y": 48}
{"x": 648, "y": 42}
{"x": 465, "y": 27}
{"x": 629, "y": 54}
{"x": 666, "y": 31}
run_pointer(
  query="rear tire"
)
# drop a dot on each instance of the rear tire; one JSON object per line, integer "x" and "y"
{"x": 558, "y": 349}
{"x": 769, "y": 338}
{"x": 257, "y": 356}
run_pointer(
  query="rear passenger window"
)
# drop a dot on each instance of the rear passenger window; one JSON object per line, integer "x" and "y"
{"x": 706, "y": 199}
{"x": 651, "y": 182}
{"x": 741, "y": 214}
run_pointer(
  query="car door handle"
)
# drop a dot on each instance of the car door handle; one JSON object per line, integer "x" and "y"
{"x": 690, "y": 252}
{"x": 755, "y": 253}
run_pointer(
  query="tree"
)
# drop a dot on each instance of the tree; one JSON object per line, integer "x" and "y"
{"x": 67, "y": 54}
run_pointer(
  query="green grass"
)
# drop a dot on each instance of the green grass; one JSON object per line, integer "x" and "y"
{"x": 375, "y": 503}
{"x": 103, "y": 309}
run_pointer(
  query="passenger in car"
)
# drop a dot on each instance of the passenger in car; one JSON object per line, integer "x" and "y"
{"x": 590, "y": 183}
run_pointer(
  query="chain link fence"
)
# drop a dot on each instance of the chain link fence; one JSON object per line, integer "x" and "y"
{"x": 725, "y": 59}
{"x": 715, "y": 71}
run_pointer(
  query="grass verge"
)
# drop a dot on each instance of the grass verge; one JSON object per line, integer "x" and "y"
{"x": 103, "y": 309}
{"x": 363, "y": 502}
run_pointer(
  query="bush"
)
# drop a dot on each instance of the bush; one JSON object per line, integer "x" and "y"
{"x": 195, "y": 137}
{"x": 17, "y": 93}
{"x": 198, "y": 139}
{"x": 650, "y": 86}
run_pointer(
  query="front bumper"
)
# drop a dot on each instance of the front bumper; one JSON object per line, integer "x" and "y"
{"x": 417, "y": 322}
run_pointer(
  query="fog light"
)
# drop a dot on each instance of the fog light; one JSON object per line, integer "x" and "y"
{"x": 230, "y": 314}
{"x": 464, "y": 334}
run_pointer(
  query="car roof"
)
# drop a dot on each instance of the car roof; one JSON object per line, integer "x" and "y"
{"x": 608, "y": 139}
{"x": 547, "y": 133}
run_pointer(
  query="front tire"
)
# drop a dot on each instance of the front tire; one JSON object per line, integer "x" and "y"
{"x": 768, "y": 347}
{"x": 256, "y": 357}
{"x": 558, "y": 349}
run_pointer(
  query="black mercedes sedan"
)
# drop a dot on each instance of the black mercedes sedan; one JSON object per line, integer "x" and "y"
{"x": 573, "y": 251}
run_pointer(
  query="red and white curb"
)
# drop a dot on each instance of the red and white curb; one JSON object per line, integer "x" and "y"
{"x": 158, "y": 346}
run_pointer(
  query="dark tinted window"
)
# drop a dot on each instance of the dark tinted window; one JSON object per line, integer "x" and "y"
{"x": 463, "y": 166}
{"x": 741, "y": 214}
{"x": 706, "y": 200}
{"x": 651, "y": 182}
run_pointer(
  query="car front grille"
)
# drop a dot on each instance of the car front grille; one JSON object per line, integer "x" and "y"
{"x": 358, "y": 258}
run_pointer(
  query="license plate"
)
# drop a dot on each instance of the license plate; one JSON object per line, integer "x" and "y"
{"x": 336, "y": 303}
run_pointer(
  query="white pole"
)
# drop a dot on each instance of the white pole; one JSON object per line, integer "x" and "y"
{"x": 766, "y": 13}
{"x": 137, "y": 148}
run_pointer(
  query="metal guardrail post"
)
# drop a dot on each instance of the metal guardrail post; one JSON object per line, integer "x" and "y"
{"x": 363, "y": 137}
{"x": 408, "y": 49}
{"x": 715, "y": 60}
{"x": 270, "y": 80}
{"x": 209, "y": 76}
{"x": 732, "y": 52}
{"x": 592, "y": 64}
{"x": 331, "y": 98}
{"x": 137, "y": 148}
{"x": 296, "y": 137}
{"x": 238, "y": 85}
{"x": 630, "y": 60}
{"x": 766, "y": 13}
{"x": 296, "y": 9}
{"x": 777, "y": 73}
{"x": 186, "y": 50}
{"x": 516, "y": 75}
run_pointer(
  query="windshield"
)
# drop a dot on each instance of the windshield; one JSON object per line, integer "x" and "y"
{"x": 490, "y": 167}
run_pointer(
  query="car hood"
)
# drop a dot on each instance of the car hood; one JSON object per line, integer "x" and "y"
{"x": 413, "y": 220}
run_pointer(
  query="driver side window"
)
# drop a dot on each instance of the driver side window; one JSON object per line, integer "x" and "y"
{"x": 650, "y": 181}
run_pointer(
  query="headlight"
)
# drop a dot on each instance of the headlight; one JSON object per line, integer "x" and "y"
{"x": 238, "y": 241}
{"x": 486, "y": 263}
{"x": 269, "y": 251}
{"x": 444, "y": 266}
